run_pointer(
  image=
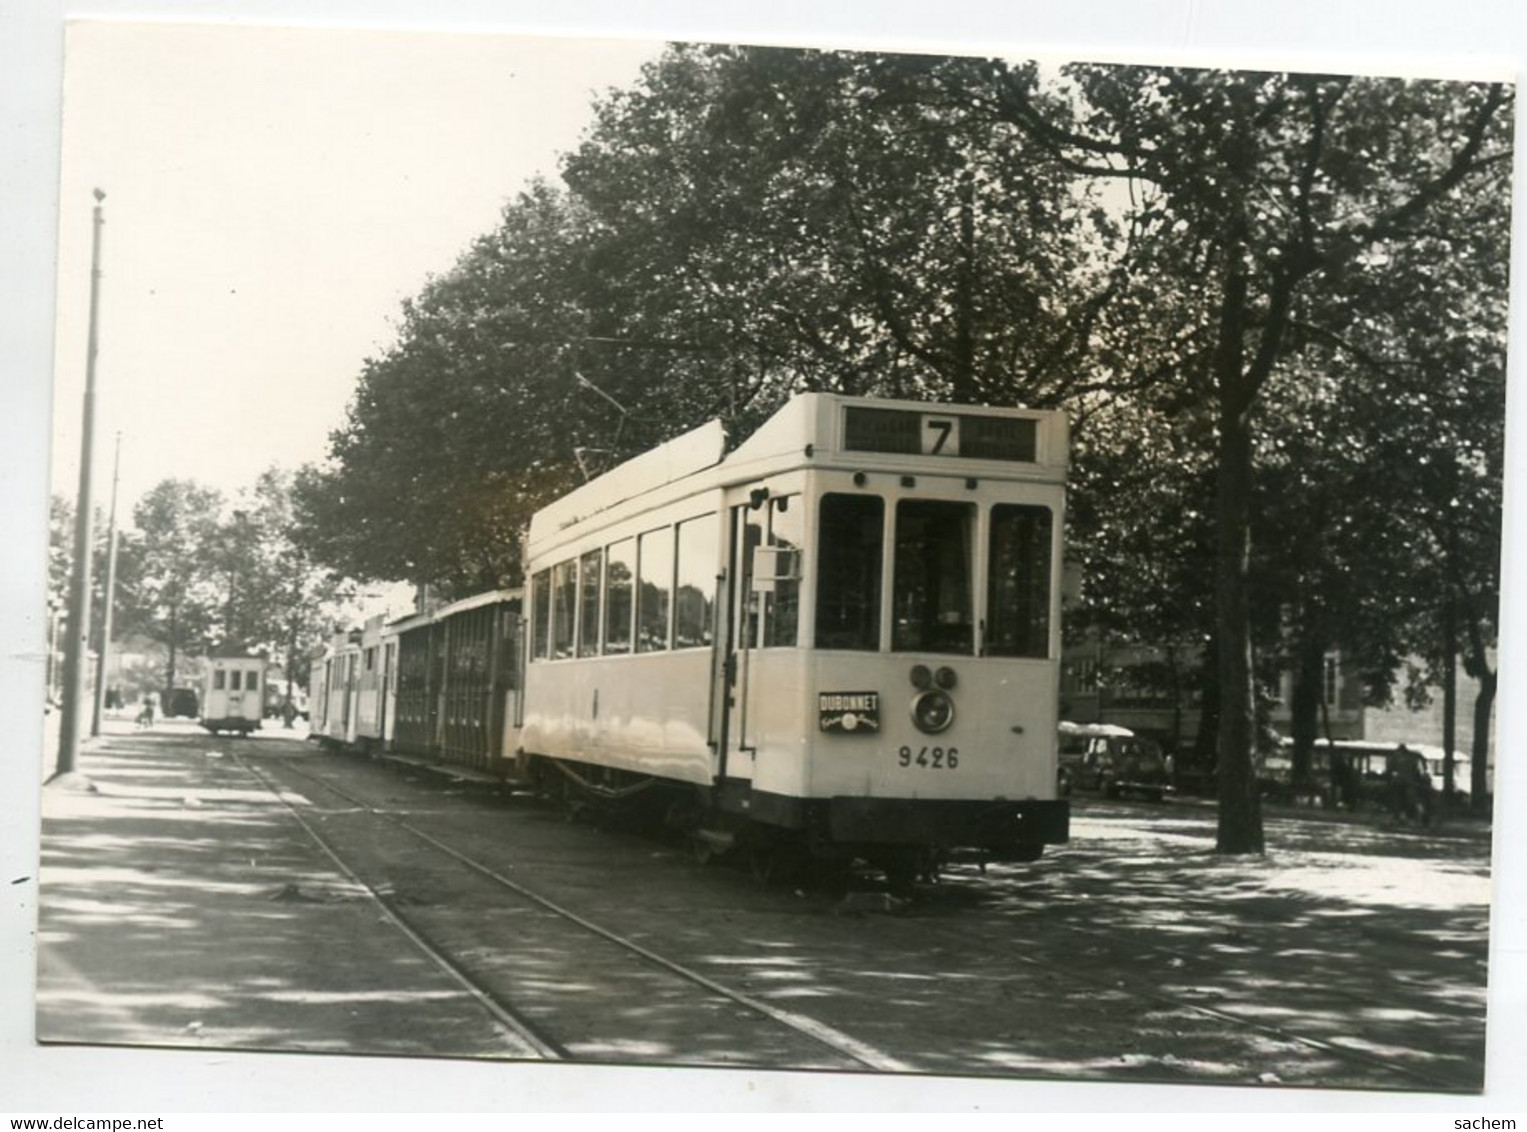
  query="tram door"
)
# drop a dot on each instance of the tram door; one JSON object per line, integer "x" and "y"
{"x": 762, "y": 612}
{"x": 736, "y": 637}
{"x": 387, "y": 688}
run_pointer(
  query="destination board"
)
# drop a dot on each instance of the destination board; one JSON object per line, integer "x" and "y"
{"x": 971, "y": 436}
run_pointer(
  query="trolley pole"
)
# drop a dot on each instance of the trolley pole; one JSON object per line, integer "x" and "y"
{"x": 78, "y": 640}
{"x": 108, "y": 594}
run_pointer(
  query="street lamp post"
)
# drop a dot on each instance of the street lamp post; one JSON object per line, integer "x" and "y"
{"x": 108, "y": 595}
{"x": 78, "y": 640}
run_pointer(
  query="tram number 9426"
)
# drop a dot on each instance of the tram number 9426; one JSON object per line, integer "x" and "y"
{"x": 934, "y": 758}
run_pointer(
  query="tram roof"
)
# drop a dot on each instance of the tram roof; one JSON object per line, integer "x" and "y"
{"x": 427, "y": 617}
{"x": 811, "y": 429}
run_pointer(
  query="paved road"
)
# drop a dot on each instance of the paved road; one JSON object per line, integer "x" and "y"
{"x": 184, "y": 904}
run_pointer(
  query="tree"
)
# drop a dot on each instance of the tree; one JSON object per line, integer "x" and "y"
{"x": 1253, "y": 188}
{"x": 1163, "y": 246}
{"x": 287, "y": 602}
{"x": 467, "y": 424}
{"x": 175, "y": 597}
{"x": 1434, "y": 365}
{"x": 744, "y": 224}
{"x": 60, "y": 549}
{"x": 838, "y": 221}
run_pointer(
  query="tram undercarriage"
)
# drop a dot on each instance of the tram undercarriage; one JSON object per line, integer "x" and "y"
{"x": 787, "y": 840}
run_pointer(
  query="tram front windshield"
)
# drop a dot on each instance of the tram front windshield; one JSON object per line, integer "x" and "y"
{"x": 934, "y": 603}
{"x": 933, "y": 610}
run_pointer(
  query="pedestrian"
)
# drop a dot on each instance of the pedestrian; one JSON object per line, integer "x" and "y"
{"x": 1397, "y": 783}
{"x": 1423, "y": 792}
{"x": 1342, "y": 792}
{"x": 1410, "y": 787}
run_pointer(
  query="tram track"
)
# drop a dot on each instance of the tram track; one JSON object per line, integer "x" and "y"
{"x": 537, "y": 1036}
{"x": 528, "y": 1039}
{"x": 1105, "y": 966}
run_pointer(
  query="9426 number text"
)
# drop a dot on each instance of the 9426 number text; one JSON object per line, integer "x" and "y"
{"x": 934, "y": 758}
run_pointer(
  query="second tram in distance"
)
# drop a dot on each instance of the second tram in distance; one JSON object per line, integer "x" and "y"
{"x": 840, "y": 639}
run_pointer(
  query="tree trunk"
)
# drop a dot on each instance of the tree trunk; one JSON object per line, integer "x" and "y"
{"x": 174, "y": 637}
{"x": 1240, "y": 809}
{"x": 1449, "y": 701}
{"x": 1207, "y": 739}
{"x": 1304, "y": 722}
{"x": 1479, "y": 767}
{"x": 291, "y": 671}
{"x": 1174, "y": 669}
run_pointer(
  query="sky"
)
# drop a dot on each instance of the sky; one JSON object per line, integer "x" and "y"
{"x": 272, "y": 197}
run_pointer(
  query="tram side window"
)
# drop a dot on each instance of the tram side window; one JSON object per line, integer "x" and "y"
{"x": 747, "y": 533}
{"x": 620, "y": 574}
{"x": 1018, "y": 589}
{"x": 848, "y": 572}
{"x": 564, "y": 602}
{"x": 219, "y": 680}
{"x": 588, "y": 624}
{"x": 654, "y": 567}
{"x": 931, "y": 591}
{"x": 541, "y": 599}
{"x": 695, "y": 589}
{"x": 782, "y": 607}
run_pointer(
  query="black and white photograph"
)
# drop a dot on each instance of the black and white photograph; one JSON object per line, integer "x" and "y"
{"x": 624, "y": 564}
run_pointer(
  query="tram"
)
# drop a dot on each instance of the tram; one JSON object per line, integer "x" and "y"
{"x": 455, "y": 682}
{"x": 838, "y": 640}
{"x": 331, "y": 699}
{"x": 351, "y": 687}
{"x": 233, "y": 696}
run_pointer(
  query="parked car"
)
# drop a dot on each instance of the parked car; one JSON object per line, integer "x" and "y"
{"x": 1354, "y": 772}
{"x": 1113, "y": 761}
{"x": 182, "y": 703}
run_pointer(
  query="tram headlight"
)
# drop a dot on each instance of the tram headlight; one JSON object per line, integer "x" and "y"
{"x": 933, "y": 711}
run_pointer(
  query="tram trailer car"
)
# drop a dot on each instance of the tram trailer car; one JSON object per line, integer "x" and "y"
{"x": 332, "y": 705}
{"x": 352, "y": 684}
{"x": 455, "y": 682}
{"x": 233, "y": 697}
{"x": 438, "y": 685}
{"x": 369, "y": 687}
{"x": 840, "y": 639}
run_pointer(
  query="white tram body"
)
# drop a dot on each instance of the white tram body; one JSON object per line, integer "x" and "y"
{"x": 352, "y": 683}
{"x": 233, "y": 696}
{"x": 370, "y": 685}
{"x": 331, "y": 701}
{"x": 846, "y": 629}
